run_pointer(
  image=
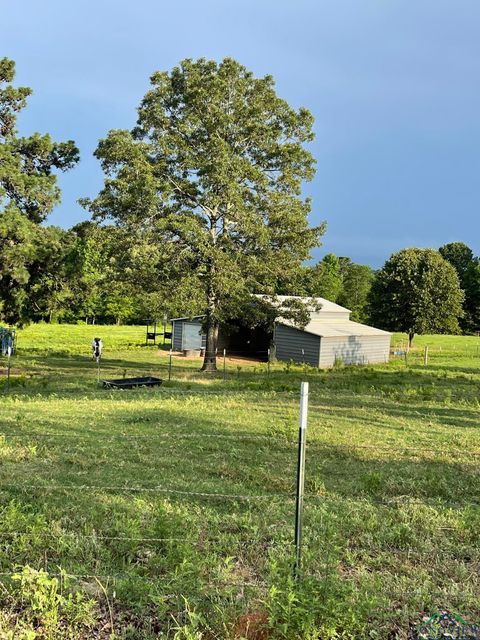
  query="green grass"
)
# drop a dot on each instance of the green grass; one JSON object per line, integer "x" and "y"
{"x": 68, "y": 339}
{"x": 391, "y": 520}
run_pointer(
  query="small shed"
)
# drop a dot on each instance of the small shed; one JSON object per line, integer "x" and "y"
{"x": 187, "y": 333}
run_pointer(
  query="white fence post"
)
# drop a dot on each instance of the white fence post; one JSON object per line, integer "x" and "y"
{"x": 302, "y": 433}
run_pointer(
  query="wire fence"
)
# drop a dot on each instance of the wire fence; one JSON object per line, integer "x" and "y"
{"x": 313, "y": 541}
{"x": 181, "y": 376}
{"x": 438, "y": 502}
{"x": 231, "y": 365}
{"x": 139, "y": 489}
{"x": 322, "y": 563}
{"x": 274, "y": 439}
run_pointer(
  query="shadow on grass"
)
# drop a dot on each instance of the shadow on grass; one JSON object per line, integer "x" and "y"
{"x": 465, "y": 417}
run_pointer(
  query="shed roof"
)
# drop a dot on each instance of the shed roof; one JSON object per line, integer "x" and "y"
{"x": 338, "y": 328}
{"x": 190, "y": 318}
{"x": 326, "y": 305}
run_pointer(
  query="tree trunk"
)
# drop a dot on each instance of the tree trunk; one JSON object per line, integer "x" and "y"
{"x": 411, "y": 335}
{"x": 210, "y": 358}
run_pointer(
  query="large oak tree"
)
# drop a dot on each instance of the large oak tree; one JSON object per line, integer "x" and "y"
{"x": 213, "y": 173}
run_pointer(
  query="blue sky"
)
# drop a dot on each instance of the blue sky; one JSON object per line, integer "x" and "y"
{"x": 393, "y": 85}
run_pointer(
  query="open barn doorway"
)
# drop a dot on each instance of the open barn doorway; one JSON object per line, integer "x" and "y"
{"x": 245, "y": 342}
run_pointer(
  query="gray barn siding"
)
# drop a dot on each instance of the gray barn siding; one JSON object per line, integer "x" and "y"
{"x": 177, "y": 335}
{"x": 289, "y": 343}
{"x": 354, "y": 350}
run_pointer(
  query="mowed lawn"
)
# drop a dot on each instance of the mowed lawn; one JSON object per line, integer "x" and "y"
{"x": 169, "y": 512}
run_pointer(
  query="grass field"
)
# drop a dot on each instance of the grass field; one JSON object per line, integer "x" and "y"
{"x": 168, "y": 512}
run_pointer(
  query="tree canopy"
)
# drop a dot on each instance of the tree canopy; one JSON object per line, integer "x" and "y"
{"x": 461, "y": 257}
{"x": 27, "y": 182}
{"x": 471, "y": 286}
{"x": 417, "y": 291}
{"x": 212, "y": 173}
{"x": 356, "y": 284}
{"x": 325, "y": 279}
{"x": 28, "y": 192}
{"x": 202, "y": 206}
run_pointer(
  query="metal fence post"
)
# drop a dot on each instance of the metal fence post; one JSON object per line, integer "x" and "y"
{"x": 425, "y": 356}
{"x": 224, "y": 364}
{"x": 302, "y": 433}
{"x": 268, "y": 362}
{"x": 170, "y": 365}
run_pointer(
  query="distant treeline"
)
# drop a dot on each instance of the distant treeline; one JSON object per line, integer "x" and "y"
{"x": 89, "y": 273}
{"x": 101, "y": 274}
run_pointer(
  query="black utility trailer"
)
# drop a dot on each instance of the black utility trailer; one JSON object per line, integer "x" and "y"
{"x": 131, "y": 383}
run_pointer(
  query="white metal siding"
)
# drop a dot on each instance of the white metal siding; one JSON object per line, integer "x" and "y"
{"x": 191, "y": 335}
{"x": 289, "y": 343}
{"x": 330, "y": 315}
{"x": 354, "y": 350}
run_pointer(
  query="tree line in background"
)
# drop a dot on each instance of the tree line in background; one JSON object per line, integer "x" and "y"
{"x": 96, "y": 274}
{"x": 173, "y": 233}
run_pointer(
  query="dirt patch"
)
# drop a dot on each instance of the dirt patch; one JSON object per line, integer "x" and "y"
{"x": 229, "y": 360}
{"x": 252, "y": 626}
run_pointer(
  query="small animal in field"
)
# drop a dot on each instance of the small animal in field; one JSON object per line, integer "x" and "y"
{"x": 97, "y": 349}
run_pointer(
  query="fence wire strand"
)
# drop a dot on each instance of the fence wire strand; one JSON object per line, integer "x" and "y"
{"x": 127, "y": 489}
{"x": 239, "y": 437}
{"x": 133, "y": 576}
{"x": 97, "y": 537}
{"x": 181, "y": 436}
{"x": 400, "y": 500}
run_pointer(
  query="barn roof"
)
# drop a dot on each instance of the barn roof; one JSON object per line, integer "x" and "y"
{"x": 324, "y": 328}
{"x": 338, "y": 328}
{"x": 326, "y": 305}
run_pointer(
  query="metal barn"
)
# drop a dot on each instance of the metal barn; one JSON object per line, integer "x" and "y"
{"x": 329, "y": 337}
